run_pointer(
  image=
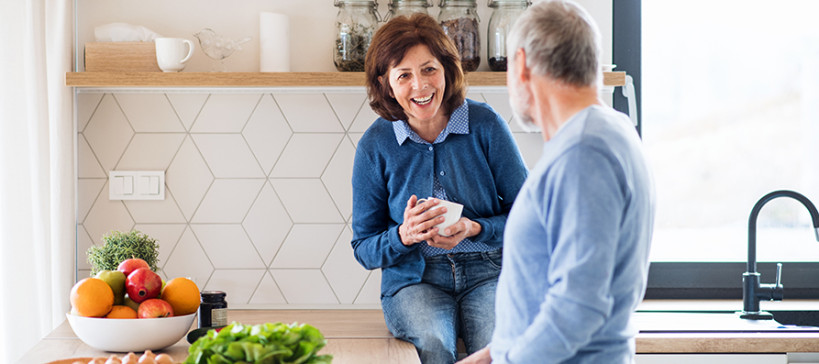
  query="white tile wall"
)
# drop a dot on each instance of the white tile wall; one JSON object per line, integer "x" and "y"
{"x": 258, "y": 195}
{"x": 225, "y": 113}
{"x": 307, "y": 246}
{"x": 160, "y": 117}
{"x": 228, "y": 155}
{"x": 228, "y": 201}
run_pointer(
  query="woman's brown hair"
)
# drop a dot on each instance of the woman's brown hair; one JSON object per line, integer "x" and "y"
{"x": 389, "y": 46}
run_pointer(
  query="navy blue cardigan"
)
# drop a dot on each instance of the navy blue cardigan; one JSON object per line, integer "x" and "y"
{"x": 482, "y": 170}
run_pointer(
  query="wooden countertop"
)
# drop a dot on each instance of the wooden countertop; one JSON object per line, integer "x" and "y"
{"x": 353, "y": 336}
{"x": 711, "y": 341}
{"x": 727, "y": 342}
{"x": 717, "y": 332}
{"x": 360, "y": 336}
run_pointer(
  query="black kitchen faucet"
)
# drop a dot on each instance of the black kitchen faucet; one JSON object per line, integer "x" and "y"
{"x": 752, "y": 289}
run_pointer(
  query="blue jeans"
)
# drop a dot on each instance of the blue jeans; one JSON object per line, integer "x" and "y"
{"x": 456, "y": 298}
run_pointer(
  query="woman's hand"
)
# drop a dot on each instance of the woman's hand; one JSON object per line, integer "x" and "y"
{"x": 420, "y": 220}
{"x": 457, "y": 232}
{"x": 419, "y": 225}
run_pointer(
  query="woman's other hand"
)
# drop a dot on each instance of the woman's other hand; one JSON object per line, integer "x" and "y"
{"x": 420, "y": 220}
{"x": 457, "y": 232}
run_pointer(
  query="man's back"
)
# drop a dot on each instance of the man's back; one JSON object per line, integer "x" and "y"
{"x": 576, "y": 247}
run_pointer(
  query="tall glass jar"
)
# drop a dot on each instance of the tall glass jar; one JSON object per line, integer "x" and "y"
{"x": 500, "y": 23}
{"x": 407, "y": 7}
{"x": 356, "y": 23}
{"x": 459, "y": 18}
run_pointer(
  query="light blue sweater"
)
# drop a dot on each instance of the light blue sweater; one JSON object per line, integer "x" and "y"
{"x": 575, "y": 261}
{"x": 482, "y": 170}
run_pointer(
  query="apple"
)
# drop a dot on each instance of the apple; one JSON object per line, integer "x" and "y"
{"x": 154, "y": 307}
{"x": 130, "y": 303}
{"x": 116, "y": 280}
{"x": 143, "y": 284}
{"x": 127, "y": 266}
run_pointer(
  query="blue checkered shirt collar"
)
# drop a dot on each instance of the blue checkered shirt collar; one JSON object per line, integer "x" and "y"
{"x": 458, "y": 124}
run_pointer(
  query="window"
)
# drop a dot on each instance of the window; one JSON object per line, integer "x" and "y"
{"x": 729, "y": 111}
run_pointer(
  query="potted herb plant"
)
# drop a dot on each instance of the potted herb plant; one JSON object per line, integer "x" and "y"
{"x": 118, "y": 246}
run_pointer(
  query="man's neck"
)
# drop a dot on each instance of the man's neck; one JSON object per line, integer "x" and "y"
{"x": 555, "y": 103}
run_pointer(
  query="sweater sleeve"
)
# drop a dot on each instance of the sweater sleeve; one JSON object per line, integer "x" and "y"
{"x": 509, "y": 173}
{"x": 376, "y": 242}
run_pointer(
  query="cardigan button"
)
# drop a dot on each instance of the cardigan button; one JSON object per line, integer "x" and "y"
{"x": 430, "y": 148}
{"x": 442, "y": 173}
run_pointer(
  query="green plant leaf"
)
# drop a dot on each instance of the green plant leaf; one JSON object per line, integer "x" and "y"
{"x": 118, "y": 246}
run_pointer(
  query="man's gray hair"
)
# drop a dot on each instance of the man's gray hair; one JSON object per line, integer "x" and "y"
{"x": 560, "y": 40}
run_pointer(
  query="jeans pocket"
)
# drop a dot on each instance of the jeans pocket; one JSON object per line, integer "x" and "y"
{"x": 494, "y": 258}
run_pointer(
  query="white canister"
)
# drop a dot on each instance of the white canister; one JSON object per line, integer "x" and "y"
{"x": 274, "y": 42}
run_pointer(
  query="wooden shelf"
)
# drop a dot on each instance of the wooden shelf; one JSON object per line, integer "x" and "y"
{"x": 264, "y": 79}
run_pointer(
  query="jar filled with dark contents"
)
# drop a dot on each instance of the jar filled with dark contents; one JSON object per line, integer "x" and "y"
{"x": 504, "y": 15}
{"x": 459, "y": 18}
{"x": 407, "y": 8}
{"x": 213, "y": 309}
{"x": 356, "y": 22}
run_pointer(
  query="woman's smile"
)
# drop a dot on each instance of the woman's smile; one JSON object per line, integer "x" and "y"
{"x": 424, "y": 100}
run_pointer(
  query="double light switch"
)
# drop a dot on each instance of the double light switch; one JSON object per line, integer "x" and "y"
{"x": 136, "y": 185}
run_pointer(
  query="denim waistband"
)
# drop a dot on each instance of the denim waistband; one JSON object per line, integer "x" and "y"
{"x": 463, "y": 257}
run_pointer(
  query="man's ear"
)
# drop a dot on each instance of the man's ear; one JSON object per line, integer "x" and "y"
{"x": 522, "y": 72}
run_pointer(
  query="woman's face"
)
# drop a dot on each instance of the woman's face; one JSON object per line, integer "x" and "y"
{"x": 418, "y": 84}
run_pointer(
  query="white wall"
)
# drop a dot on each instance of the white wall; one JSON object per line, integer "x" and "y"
{"x": 312, "y": 26}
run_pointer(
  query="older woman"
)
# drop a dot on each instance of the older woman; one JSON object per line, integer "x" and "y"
{"x": 430, "y": 141}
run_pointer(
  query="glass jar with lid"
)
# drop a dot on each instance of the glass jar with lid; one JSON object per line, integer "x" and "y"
{"x": 356, "y": 23}
{"x": 500, "y": 23}
{"x": 459, "y": 18}
{"x": 407, "y": 7}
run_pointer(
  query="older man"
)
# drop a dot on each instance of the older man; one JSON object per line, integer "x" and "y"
{"x": 577, "y": 238}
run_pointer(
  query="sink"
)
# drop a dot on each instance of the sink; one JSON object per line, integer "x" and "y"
{"x": 721, "y": 321}
{"x": 796, "y": 317}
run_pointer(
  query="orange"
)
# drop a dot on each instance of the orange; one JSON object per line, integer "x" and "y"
{"x": 92, "y": 297}
{"x": 122, "y": 312}
{"x": 182, "y": 294}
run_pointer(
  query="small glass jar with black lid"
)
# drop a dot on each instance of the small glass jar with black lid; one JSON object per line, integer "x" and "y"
{"x": 407, "y": 8}
{"x": 459, "y": 18}
{"x": 356, "y": 23}
{"x": 213, "y": 309}
{"x": 504, "y": 15}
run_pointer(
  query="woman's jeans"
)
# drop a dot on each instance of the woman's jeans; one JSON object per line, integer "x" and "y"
{"x": 456, "y": 298}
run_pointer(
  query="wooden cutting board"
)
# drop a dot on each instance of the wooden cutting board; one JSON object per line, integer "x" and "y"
{"x": 71, "y": 361}
{"x": 74, "y": 360}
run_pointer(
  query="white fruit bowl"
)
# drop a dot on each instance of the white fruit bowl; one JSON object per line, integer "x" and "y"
{"x": 126, "y": 335}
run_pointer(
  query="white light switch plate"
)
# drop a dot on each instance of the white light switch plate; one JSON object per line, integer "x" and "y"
{"x": 136, "y": 185}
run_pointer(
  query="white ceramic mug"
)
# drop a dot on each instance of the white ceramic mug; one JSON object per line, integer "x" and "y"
{"x": 172, "y": 53}
{"x": 451, "y": 216}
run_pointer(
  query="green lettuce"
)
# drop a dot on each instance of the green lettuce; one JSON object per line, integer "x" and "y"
{"x": 269, "y": 343}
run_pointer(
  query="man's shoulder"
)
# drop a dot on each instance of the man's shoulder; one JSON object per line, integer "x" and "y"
{"x": 607, "y": 121}
{"x": 598, "y": 128}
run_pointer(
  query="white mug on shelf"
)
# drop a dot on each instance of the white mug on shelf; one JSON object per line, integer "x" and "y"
{"x": 172, "y": 53}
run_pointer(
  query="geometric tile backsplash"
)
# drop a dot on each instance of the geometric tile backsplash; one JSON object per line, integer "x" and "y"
{"x": 258, "y": 198}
